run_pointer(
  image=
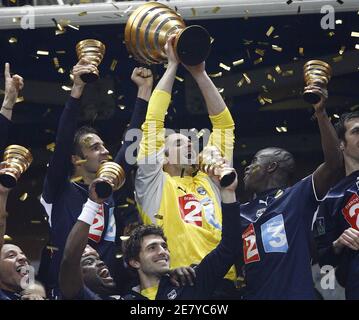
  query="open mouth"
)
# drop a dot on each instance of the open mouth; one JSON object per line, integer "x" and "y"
{"x": 22, "y": 270}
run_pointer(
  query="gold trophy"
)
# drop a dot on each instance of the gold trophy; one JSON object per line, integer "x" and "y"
{"x": 114, "y": 173}
{"x": 211, "y": 159}
{"x": 17, "y": 159}
{"x": 316, "y": 73}
{"x": 93, "y": 50}
{"x": 150, "y": 25}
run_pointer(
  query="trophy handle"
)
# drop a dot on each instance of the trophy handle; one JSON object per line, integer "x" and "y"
{"x": 103, "y": 189}
{"x": 192, "y": 45}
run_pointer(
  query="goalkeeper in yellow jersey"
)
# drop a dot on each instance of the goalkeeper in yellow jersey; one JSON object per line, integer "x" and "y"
{"x": 170, "y": 191}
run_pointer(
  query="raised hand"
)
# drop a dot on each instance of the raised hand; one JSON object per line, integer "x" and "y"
{"x": 142, "y": 77}
{"x": 13, "y": 85}
{"x": 170, "y": 51}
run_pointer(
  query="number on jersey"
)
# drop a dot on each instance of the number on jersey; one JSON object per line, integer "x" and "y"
{"x": 250, "y": 250}
{"x": 351, "y": 211}
{"x": 274, "y": 237}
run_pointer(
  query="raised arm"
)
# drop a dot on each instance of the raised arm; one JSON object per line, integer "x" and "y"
{"x": 70, "y": 277}
{"x": 223, "y": 125}
{"x": 332, "y": 169}
{"x": 143, "y": 78}
{"x": 60, "y": 164}
{"x": 13, "y": 85}
{"x": 4, "y": 192}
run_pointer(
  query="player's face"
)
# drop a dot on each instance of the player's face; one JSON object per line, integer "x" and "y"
{"x": 255, "y": 174}
{"x": 14, "y": 267}
{"x": 180, "y": 150}
{"x": 96, "y": 274}
{"x": 94, "y": 151}
{"x": 351, "y": 144}
{"x": 154, "y": 257}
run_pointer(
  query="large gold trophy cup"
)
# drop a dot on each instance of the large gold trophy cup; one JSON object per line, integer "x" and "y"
{"x": 211, "y": 161}
{"x": 316, "y": 74}
{"x": 112, "y": 172}
{"x": 92, "y": 50}
{"x": 149, "y": 27}
{"x": 17, "y": 159}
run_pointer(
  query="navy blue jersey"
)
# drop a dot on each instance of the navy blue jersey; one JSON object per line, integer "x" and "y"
{"x": 7, "y": 295}
{"x": 276, "y": 230}
{"x": 338, "y": 212}
{"x": 211, "y": 269}
{"x": 63, "y": 200}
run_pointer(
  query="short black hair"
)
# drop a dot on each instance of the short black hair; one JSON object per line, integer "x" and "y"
{"x": 340, "y": 125}
{"x": 76, "y": 150}
{"x": 132, "y": 246}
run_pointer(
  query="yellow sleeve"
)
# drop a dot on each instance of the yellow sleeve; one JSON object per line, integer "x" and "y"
{"x": 153, "y": 136}
{"x": 222, "y": 135}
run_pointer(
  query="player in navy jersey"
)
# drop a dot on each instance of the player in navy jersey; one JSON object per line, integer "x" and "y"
{"x": 337, "y": 223}
{"x": 276, "y": 224}
{"x": 81, "y": 153}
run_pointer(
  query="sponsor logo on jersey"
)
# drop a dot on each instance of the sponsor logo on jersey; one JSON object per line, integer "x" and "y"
{"x": 97, "y": 226}
{"x": 274, "y": 237}
{"x": 250, "y": 250}
{"x": 351, "y": 211}
{"x": 190, "y": 209}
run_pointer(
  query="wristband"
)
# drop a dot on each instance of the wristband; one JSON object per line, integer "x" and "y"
{"x": 89, "y": 211}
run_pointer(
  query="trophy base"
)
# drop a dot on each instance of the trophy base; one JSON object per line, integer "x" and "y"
{"x": 193, "y": 45}
{"x": 311, "y": 97}
{"x": 7, "y": 181}
{"x": 227, "y": 179}
{"x": 89, "y": 77}
{"x": 103, "y": 190}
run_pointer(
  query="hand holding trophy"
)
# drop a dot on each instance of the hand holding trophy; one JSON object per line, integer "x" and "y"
{"x": 115, "y": 178}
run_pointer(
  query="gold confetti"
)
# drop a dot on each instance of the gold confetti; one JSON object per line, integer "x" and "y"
{"x": 288, "y": 73}
{"x": 109, "y": 92}
{"x": 357, "y": 46}
{"x": 128, "y": 9}
{"x": 113, "y": 65}
{"x": 301, "y": 51}
{"x": 260, "y": 52}
{"x": 17, "y": 19}
{"x": 355, "y": 34}
{"x": 193, "y": 12}
{"x": 331, "y": 34}
{"x": 131, "y": 201}
{"x": 83, "y": 13}
{"x": 52, "y": 248}
{"x": 278, "y": 194}
{"x": 276, "y": 48}
{"x": 109, "y": 157}
{"x": 59, "y": 26}
{"x": 124, "y": 238}
{"x": 338, "y": 58}
{"x": 248, "y": 80}
{"x": 76, "y": 179}
{"x": 338, "y": 21}
{"x": 35, "y": 222}
{"x": 342, "y": 49}
{"x": 225, "y": 67}
{"x": 216, "y": 9}
{"x": 270, "y": 31}
{"x": 215, "y": 75}
{"x": 60, "y": 70}
{"x": 220, "y": 90}
{"x": 56, "y": 62}
{"x": 12, "y": 40}
{"x": 77, "y": 28}
{"x": 179, "y": 79}
{"x": 59, "y": 32}
{"x": 51, "y": 146}
{"x": 259, "y": 60}
{"x": 261, "y": 100}
{"x": 119, "y": 256}
{"x": 81, "y": 161}
{"x": 267, "y": 100}
{"x": 237, "y": 62}
{"x": 212, "y": 40}
{"x": 278, "y": 69}
{"x": 123, "y": 206}
{"x": 66, "y": 88}
{"x": 24, "y": 197}
{"x": 61, "y": 52}
{"x": 240, "y": 83}
{"x": 20, "y": 99}
{"x": 42, "y": 53}
{"x": 270, "y": 77}
{"x": 7, "y": 238}
{"x": 244, "y": 162}
{"x": 264, "y": 88}
{"x": 158, "y": 216}
{"x": 121, "y": 106}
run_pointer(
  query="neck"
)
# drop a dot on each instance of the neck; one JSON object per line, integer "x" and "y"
{"x": 181, "y": 171}
{"x": 3, "y": 286}
{"x": 148, "y": 281}
{"x": 351, "y": 165}
{"x": 87, "y": 177}
{"x": 270, "y": 184}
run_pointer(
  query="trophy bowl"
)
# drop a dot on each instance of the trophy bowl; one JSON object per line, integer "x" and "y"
{"x": 316, "y": 74}
{"x": 94, "y": 51}
{"x": 212, "y": 162}
{"x": 114, "y": 173}
{"x": 150, "y": 25}
{"x": 17, "y": 159}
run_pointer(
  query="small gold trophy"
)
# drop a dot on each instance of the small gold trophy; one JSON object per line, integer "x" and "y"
{"x": 114, "y": 173}
{"x": 17, "y": 159}
{"x": 211, "y": 159}
{"x": 316, "y": 73}
{"x": 93, "y": 50}
{"x": 150, "y": 25}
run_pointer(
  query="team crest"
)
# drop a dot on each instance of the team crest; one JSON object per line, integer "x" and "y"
{"x": 172, "y": 295}
{"x": 202, "y": 191}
